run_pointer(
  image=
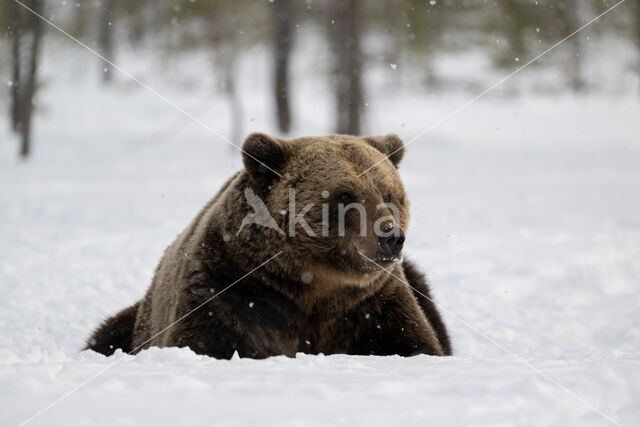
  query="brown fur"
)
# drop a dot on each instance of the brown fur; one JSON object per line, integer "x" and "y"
{"x": 351, "y": 306}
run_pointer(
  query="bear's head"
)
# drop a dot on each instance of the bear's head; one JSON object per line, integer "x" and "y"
{"x": 330, "y": 212}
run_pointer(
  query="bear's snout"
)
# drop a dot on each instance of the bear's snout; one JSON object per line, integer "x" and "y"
{"x": 392, "y": 241}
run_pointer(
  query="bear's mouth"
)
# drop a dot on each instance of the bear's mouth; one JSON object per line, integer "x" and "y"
{"x": 380, "y": 263}
{"x": 389, "y": 260}
{"x": 385, "y": 262}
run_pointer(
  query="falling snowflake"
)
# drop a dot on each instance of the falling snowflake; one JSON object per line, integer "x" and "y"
{"x": 306, "y": 277}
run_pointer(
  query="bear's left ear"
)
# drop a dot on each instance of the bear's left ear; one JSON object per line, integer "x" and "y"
{"x": 264, "y": 156}
{"x": 390, "y": 145}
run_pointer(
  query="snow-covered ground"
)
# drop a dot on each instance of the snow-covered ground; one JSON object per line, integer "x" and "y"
{"x": 525, "y": 214}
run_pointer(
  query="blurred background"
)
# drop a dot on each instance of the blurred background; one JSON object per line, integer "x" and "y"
{"x": 355, "y": 53}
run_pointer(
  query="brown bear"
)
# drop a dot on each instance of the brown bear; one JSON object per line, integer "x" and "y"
{"x": 286, "y": 258}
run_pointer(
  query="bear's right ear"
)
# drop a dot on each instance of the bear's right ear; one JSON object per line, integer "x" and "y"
{"x": 263, "y": 157}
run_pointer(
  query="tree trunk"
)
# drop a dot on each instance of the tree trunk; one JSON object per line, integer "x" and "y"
{"x": 282, "y": 19}
{"x": 574, "y": 20}
{"x": 79, "y": 25}
{"x": 637, "y": 25}
{"x": 16, "y": 31}
{"x": 235, "y": 106}
{"x": 105, "y": 40}
{"x": 513, "y": 21}
{"x": 344, "y": 34}
{"x": 30, "y": 83}
{"x": 26, "y": 33}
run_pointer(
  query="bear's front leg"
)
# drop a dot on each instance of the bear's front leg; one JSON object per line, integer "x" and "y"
{"x": 393, "y": 323}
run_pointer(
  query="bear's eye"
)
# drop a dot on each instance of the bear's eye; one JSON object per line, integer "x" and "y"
{"x": 346, "y": 197}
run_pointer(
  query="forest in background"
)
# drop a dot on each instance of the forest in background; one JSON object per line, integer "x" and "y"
{"x": 358, "y": 33}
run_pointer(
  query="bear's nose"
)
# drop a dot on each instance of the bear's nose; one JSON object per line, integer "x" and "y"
{"x": 391, "y": 243}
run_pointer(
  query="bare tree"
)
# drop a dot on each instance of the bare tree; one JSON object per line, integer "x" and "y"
{"x": 344, "y": 35}
{"x": 16, "y": 31}
{"x": 282, "y": 23}
{"x": 26, "y": 33}
{"x": 226, "y": 43}
{"x": 574, "y": 19}
{"x": 105, "y": 39}
{"x": 637, "y": 30}
{"x": 514, "y": 22}
{"x": 228, "y": 68}
{"x": 80, "y": 24}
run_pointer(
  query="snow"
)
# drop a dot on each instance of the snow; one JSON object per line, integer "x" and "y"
{"x": 525, "y": 215}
